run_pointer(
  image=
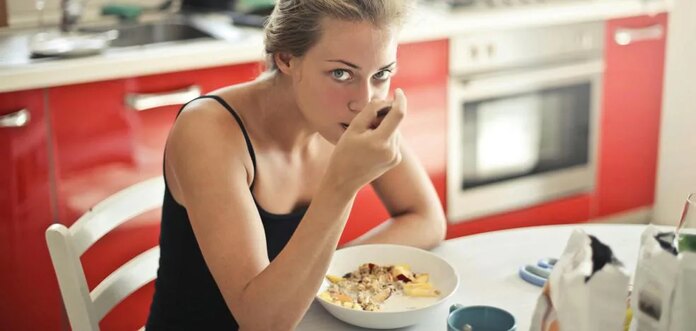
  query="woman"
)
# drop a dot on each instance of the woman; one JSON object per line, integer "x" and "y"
{"x": 261, "y": 177}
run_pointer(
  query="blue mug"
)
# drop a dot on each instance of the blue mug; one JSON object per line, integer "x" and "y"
{"x": 480, "y": 318}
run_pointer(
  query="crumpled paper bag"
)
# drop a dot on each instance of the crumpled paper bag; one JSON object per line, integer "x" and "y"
{"x": 586, "y": 290}
{"x": 664, "y": 288}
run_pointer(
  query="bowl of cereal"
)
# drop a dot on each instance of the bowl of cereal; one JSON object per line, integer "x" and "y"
{"x": 385, "y": 286}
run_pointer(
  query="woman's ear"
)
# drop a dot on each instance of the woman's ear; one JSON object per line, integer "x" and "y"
{"x": 282, "y": 60}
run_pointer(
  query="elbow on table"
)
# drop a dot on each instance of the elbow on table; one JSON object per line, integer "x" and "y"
{"x": 261, "y": 315}
{"x": 439, "y": 230}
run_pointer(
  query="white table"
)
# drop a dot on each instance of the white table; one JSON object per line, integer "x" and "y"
{"x": 488, "y": 263}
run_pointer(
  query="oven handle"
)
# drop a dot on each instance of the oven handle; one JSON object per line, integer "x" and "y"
{"x": 479, "y": 88}
{"x": 626, "y": 36}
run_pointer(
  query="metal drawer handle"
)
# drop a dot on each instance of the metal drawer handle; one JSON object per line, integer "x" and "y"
{"x": 145, "y": 101}
{"x": 624, "y": 36}
{"x": 16, "y": 119}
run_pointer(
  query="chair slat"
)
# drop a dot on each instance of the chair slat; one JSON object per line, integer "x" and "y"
{"x": 131, "y": 276}
{"x": 115, "y": 210}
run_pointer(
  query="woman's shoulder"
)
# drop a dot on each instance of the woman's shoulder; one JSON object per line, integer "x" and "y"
{"x": 206, "y": 133}
{"x": 203, "y": 117}
{"x": 210, "y": 121}
{"x": 206, "y": 142}
{"x": 217, "y": 102}
{"x": 215, "y": 110}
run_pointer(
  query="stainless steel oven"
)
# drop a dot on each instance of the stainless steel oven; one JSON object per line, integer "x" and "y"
{"x": 523, "y": 117}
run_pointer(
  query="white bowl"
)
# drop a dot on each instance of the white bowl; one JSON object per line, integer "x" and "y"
{"x": 397, "y": 311}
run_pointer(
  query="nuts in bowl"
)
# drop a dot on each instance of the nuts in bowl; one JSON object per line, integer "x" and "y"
{"x": 385, "y": 286}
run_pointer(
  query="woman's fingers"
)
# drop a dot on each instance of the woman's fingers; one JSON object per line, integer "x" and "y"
{"x": 383, "y": 116}
{"x": 394, "y": 116}
{"x": 365, "y": 117}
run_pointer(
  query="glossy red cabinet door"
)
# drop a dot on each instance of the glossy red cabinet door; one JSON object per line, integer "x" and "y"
{"x": 630, "y": 119}
{"x": 103, "y": 144}
{"x": 30, "y": 299}
{"x": 422, "y": 74}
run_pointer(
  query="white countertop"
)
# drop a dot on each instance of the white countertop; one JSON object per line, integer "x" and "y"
{"x": 488, "y": 264}
{"x": 17, "y": 72}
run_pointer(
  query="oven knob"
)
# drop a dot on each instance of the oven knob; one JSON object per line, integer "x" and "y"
{"x": 490, "y": 49}
{"x": 473, "y": 52}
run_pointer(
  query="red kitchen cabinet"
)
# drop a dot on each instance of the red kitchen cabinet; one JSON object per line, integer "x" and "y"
{"x": 109, "y": 135}
{"x": 635, "y": 49}
{"x": 30, "y": 298}
{"x": 422, "y": 74}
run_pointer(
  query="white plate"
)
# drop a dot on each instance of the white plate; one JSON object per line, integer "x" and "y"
{"x": 397, "y": 311}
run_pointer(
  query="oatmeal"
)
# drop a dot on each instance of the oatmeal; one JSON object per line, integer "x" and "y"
{"x": 371, "y": 285}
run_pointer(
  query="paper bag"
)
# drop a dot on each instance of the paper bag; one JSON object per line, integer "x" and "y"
{"x": 586, "y": 290}
{"x": 664, "y": 288}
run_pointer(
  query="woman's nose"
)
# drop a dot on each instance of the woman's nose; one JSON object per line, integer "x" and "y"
{"x": 362, "y": 95}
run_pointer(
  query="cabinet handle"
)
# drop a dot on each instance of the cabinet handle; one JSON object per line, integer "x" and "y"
{"x": 625, "y": 36}
{"x": 16, "y": 119}
{"x": 145, "y": 101}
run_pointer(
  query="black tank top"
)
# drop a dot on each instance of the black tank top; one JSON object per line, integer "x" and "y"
{"x": 186, "y": 296}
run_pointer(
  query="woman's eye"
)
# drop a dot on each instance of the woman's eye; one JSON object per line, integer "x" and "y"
{"x": 340, "y": 74}
{"x": 383, "y": 75}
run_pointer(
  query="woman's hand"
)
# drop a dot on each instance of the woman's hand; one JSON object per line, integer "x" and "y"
{"x": 370, "y": 146}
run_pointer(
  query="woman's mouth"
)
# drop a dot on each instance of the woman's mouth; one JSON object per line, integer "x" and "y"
{"x": 344, "y": 125}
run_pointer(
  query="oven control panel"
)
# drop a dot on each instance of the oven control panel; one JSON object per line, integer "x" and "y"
{"x": 481, "y": 53}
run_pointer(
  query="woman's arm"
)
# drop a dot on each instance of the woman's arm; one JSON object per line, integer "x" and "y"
{"x": 409, "y": 196}
{"x": 209, "y": 165}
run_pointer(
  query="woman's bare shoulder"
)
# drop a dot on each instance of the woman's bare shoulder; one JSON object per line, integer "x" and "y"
{"x": 204, "y": 118}
{"x": 212, "y": 115}
{"x": 205, "y": 132}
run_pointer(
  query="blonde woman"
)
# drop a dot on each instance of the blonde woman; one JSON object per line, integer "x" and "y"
{"x": 261, "y": 176}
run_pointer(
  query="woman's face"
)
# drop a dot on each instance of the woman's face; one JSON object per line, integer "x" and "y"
{"x": 349, "y": 66}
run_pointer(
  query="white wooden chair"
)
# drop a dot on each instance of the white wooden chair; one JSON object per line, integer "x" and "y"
{"x": 85, "y": 309}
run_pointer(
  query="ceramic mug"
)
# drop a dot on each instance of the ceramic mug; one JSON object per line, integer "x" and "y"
{"x": 484, "y": 318}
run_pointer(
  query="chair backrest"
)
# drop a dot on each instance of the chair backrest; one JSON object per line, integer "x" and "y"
{"x": 85, "y": 309}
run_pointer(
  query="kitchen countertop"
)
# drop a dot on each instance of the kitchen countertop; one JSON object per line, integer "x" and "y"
{"x": 243, "y": 45}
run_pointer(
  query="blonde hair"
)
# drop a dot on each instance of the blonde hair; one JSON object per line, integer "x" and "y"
{"x": 295, "y": 25}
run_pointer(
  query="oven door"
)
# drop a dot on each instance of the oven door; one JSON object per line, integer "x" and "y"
{"x": 520, "y": 138}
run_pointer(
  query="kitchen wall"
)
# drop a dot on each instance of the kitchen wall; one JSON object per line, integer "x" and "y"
{"x": 676, "y": 174}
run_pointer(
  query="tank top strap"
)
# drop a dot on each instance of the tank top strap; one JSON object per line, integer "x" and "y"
{"x": 236, "y": 116}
